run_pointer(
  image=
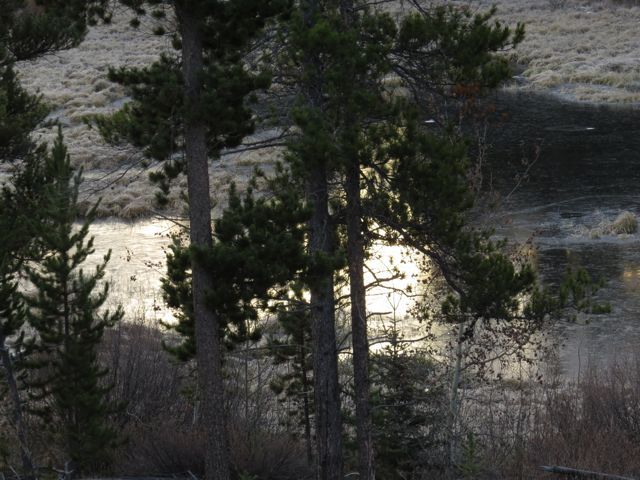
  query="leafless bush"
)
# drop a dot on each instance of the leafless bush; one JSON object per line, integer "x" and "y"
{"x": 268, "y": 455}
{"x": 594, "y": 424}
{"x": 160, "y": 449}
{"x": 159, "y": 419}
{"x": 169, "y": 448}
{"x": 147, "y": 382}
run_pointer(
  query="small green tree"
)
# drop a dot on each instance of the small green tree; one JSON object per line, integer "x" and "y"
{"x": 66, "y": 312}
{"x": 18, "y": 205}
{"x": 26, "y": 34}
{"x": 185, "y": 110}
{"x": 292, "y": 346}
{"x": 407, "y": 405}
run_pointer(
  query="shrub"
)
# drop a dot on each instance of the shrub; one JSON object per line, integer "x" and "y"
{"x": 160, "y": 421}
{"x": 625, "y": 223}
{"x": 593, "y": 425}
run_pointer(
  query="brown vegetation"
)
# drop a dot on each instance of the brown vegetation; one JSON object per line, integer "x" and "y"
{"x": 592, "y": 424}
{"x": 514, "y": 426}
{"x": 160, "y": 423}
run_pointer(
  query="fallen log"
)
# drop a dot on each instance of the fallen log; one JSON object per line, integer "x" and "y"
{"x": 576, "y": 473}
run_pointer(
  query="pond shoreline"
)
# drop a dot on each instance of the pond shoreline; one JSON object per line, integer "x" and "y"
{"x": 531, "y": 114}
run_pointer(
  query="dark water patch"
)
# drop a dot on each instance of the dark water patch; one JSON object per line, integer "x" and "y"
{"x": 582, "y": 166}
{"x": 567, "y": 158}
{"x": 599, "y": 337}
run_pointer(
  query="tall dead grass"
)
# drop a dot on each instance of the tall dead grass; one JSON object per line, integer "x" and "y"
{"x": 592, "y": 423}
{"x": 160, "y": 416}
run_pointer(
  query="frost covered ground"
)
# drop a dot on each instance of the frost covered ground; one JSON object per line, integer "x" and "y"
{"x": 74, "y": 83}
{"x": 576, "y": 49}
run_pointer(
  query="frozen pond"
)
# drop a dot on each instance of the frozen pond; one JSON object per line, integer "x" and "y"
{"x": 587, "y": 172}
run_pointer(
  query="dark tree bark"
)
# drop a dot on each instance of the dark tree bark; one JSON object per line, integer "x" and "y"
{"x": 355, "y": 260}
{"x": 359, "y": 336}
{"x": 328, "y": 415}
{"x": 305, "y": 402}
{"x": 325, "y": 355}
{"x": 207, "y": 332}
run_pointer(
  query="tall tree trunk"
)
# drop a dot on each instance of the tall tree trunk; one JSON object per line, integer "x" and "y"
{"x": 305, "y": 402}
{"x": 360, "y": 341}
{"x": 355, "y": 259}
{"x": 454, "y": 403}
{"x": 18, "y": 420}
{"x": 328, "y": 415}
{"x": 325, "y": 355}
{"x": 207, "y": 332}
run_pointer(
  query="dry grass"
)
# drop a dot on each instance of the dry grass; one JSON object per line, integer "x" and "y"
{"x": 161, "y": 420}
{"x": 74, "y": 82}
{"x": 592, "y": 423}
{"x": 580, "y": 50}
{"x": 575, "y": 49}
{"x": 624, "y": 225}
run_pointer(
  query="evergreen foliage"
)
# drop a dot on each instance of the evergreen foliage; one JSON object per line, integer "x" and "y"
{"x": 26, "y": 32}
{"x": 26, "y": 35}
{"x": 20, "y": 201}
{"x": 452, "y": 50}
{"x": 258, "y": 249}
{"x": 66, "y": 312}
{"x": 155, "y": 120}
{"x": 361, "y": 168}
{"x": 292, "y": 347}
{"x": 20, "y": 113}
{"x": 209, "y": 114}
{"x": 18, "y": 206}
{"x": 470, "y": 466}
{"x": 409, "y": 420}
{"x": 413, "y": 184}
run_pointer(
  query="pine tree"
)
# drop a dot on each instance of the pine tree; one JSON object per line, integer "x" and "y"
{"x": 66, "y": 311}
{"x": 343, "y": 52}
{"x": 417, "y": 184}
{"x": 258, "y": 249}
{"x": 184, "y": 111}
{"x": 363, "y": 66}
{"x": 407, "y": 409}
{"x": 26, "y": 34}
{"x": 316, "y": 44}
{"x": 19, "y": 205}
{"x": 292, "y": 346}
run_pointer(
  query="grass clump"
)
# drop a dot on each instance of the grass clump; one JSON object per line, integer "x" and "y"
{"x": 625, "y": 223}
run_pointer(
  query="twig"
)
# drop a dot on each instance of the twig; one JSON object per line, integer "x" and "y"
{"x": 582, "y": 473}
{"x": 191, "y": 474}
